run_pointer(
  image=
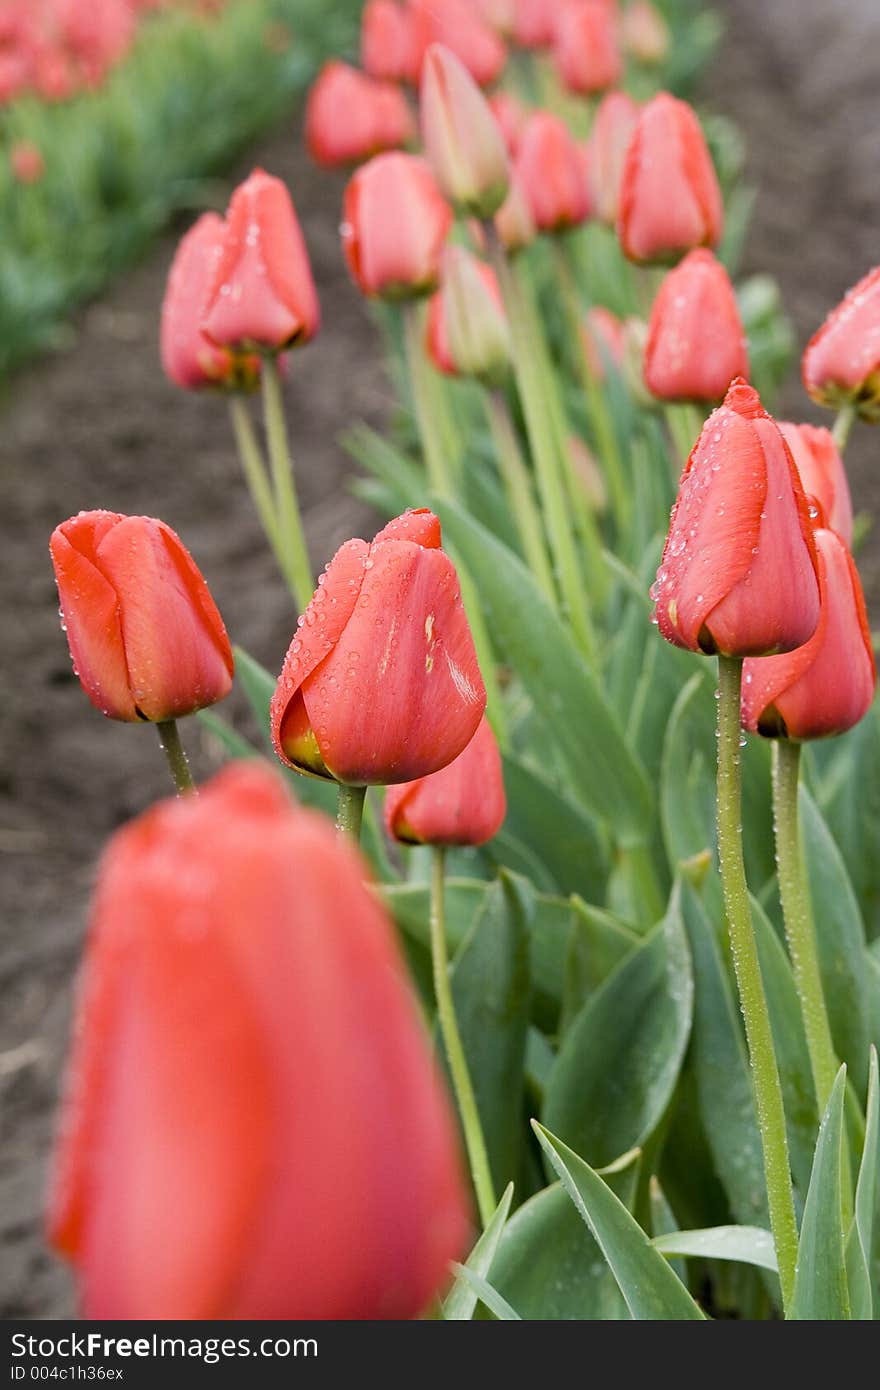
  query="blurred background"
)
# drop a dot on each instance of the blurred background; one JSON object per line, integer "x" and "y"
{"x": 107, "y": 150}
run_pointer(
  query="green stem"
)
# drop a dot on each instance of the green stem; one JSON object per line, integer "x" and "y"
{"x": 290, "y": 528}
{"x": 458, "y": 1067}
{"x": 762, "y": 1054}
{"x": 843, "y": 424}
{"x": 350, "y": 810}
{"x": 518, "y": 484}
{"x": 257, "y": 479}
{"x": 424, "y": 401}
{"x": 797, "y": 911}
{"x": 169, "y": 737}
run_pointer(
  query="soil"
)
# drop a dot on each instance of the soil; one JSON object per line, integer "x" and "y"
{"x": 100, "y": 427}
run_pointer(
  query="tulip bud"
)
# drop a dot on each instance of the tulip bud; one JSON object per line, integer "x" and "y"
{"x": 585, "y": 47}
{"x": 511, "y": 115}
{"x": 395, "y": 224}
{"x": 513, "y": 221}
{"x": 738, "y": 574}
{"x": 26, "y": 162}
{"x": 842, "y": 362}
{"x": 189, "y": 359}
{"x": 393, "y": 41}
{"x": 616, "y": 119}
{"x": 458, "y": 26}
{"x": 602, "y": 336}
{"x": 534, "y": 23}
{"x": 827, "y": 685}
{"x": 462, "y": 139}
{"x": 376, "y": 117}
{"x": 468, "y": 333}
{"x": 252, "y": 1125}
{"x": 822, "y": 474}
{"x": 144, "y": 633}
{"x": 550, "y": 168}
{"x": 670, "y": 201}
{"x": 381, "y": 682}
{"x": 696, "y": 341}
{"x": 263, "y": 297}
{"x": 463, "y": 804}
{"x": 635, "y": 341}
{"x": 645, "y": 33}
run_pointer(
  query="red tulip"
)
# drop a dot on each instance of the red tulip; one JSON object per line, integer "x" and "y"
{"x": 463, "y": 804}
{"x": 395, "y": 225}
{"x": 27, "y": 162}
{"x": 738, "y": 574}
{"x": 616, "y": 119}
{"x": 534, "y": 23}
{"x": 381, "y": 682}
{"x": 696, "y": 341}
{"x": 603, "y": 340}
{"x": 458, "y": 26}
{"x": 827, "y": 685}
{"x": 514, "y": 222}
{"x": 462, "y": 139}
{"x": 468, "y": 334}
{"x": 511, "y": 116}
{"x": 670, "y": 201}
{"x": 645, "y": 32}
{"x": 822, "y": 474}
{"x": 500, "y": 14}
{"x": 144, "y": 633}
{"x": 842, "y": 360}
{"x": 189, "y": 359}
{"x": 349, "y": 117}
{"x": 263, "y": 297}
{"x": 252, "y": 1125}
{"x": 550, "y": 167}
{"x": 585, "y": 47}
{"x": 393, "y": 41}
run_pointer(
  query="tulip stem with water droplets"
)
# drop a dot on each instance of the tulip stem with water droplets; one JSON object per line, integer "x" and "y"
{"x": 458, "y": 1067}
{"x": 797, "y": 912}
{"x": 169, "y": 737}
{"x": 290, "y": 528}
{"x": 753, "y": 1002}
{"x": 257, "y": 478}
{"x": 350, "y": 810}
{"x": 843, "y": 424}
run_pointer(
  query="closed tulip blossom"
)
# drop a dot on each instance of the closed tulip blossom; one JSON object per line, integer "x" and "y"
{"x": 696, "y": 341}
{"x": 459, "y": 26}
{"x": 393, "y": 41}
{"x": 738, "y": 573}
{"x": 263, "y": 297}
{"x": 26, "y": 162}
{"x": 822, "y": 473}
{"x": 463, "y": 141}
{"x": 463, "y": 804}
{"x": 350, "y": 117}
{"x": 827, "y": 685}
{"x": 645, "y": 33}
{"x": 468, "y": 333}
{"x": 144, "y": 633}
{"x": 395, "y": 225}
{"x": 551, "y": 173}
{"x": 670, "y": 201}
{"x": 841, "y": 365}
{"x": 603, "y": 341}
{"x": 252, "y": 1124}
{"x": 381, "y": 683}
{"x": 616, "y": 119}
{"x": 534, "y": 23}
{"x": 586, "y": 48}
{"x": 189, "y": 358}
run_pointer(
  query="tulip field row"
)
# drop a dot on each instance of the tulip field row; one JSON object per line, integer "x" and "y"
{"x": 573, "y": 1012}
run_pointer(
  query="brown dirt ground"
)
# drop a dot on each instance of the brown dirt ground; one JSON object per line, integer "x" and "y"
{"x": 100, "y": 427}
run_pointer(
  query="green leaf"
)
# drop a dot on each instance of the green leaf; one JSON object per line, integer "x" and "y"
{"x": 559, "y": 832}
{"x": 620, "y": 1059}
{"x": 664, "y": 1222}
{"x": 820, "y": 1286}
{"x": 651, "y": 1289}
{"x": 597, "y": 943}
{"x": 485, "y": 1292}
{"x": 461, "y": 1300}
{"x": 566, "y": 696}
{"x": 747, "y": 1244}
{"x": 410, "y": 906}
{"x": 838, "y": 766}
{"x": 234, "y": 744}
{"x": 860, "y": 1241}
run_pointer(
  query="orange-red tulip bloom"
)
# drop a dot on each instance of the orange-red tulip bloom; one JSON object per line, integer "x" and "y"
{"x": 585, "y": 46}
{"x": 534, "y": 23}
{"x": 350, "y": 117}
{"x": 462, "y": 139}
{"x": 189, "y": 358}
{"x": 842, "y": 360}
{"x": 463, "y": 804}
{"x": 696, "y": 341}
{"x": 395, "y": 225}
{"x": 458, "y": 25}
{"x": 393, "y": 41}
{"x": 552, "y": 174}
{"x": 822, "y": 473}
{"x": 616, "y": 119}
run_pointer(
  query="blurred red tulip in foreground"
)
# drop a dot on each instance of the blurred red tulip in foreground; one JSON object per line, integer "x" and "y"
{"x": 842, "y": 360}
{"x": 463, "y": 804}
{"x": 381, "y": 683}
{"x": 144, "y": 633}
{"x": 822, "y": 473}
{"x": 463, "y": 142}
{"x": 396, "y": 222}
{"x": 350, "y": 117}
{"x": 696, "y": 341}
{"x": 252, "y": 1124}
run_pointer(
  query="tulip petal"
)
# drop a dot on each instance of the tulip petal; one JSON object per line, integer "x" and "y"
{"x": 418, "y": 525}
{"x": 96, "y": 644}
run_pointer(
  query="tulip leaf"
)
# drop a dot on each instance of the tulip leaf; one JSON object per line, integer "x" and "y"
{"x": 821, "y": 1293}
{"x": 410, "y": 906}
{"x": 838, "y": 766}
{"x": 749, "y": 1245}
{"x": 597, "y": 943}
{"x": 561, "y": 834}
{"x": 861, "y": 1238}
{"x": 664, "y": 1223}
{"x": 461, "y": 1300}
{"x": 486, "y": 1293}
{"x": 652, "y": 1290}
{"x": 566, "y": 696}
{"x": 621, "y": 1057}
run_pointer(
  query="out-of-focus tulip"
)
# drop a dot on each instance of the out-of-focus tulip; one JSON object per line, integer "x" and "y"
{"x": 27, "y": 162}
{"x": 511, "y": 115}
{"x": 585, "y": 47}
{"x": 189, "y": 359}
{"x": 468, "y": 333}
{"x": 635, "y": 341}
{"x": 738, "y": 574}
{"x": 263, "y": 296}
{"x": 463, "y": 804}
{"x": 458, "y": 25}
{"x": 463, "y": 141}
{"x": 534, "y": 23}
{"x": 551, "y": 172}
{"x": 514, "y": 222}
{"x": 501, "y": 14}
{"x": 696, "y": 341}
{"x": 144, "y": 633}
{"x": 842, "y": 362}
{"x": 603, "y": 340}
{"x": 588, "y": 475}
{"x": 393, "y": 41}
{"x": 350, "y": 117}
{"x": 822, "y": 473}
{"x": 645, "y": 33}
{"x": 827, "y": 685}
{"x": 381, "y": 683}
{"x": 616, "y": 119}
{"x": 252, "y": 1125}
{"x": 670, "y": 201}
{"x": 395, "y": 224}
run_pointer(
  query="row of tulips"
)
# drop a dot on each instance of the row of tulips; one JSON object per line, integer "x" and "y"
{"x": 288, "y": 1150}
